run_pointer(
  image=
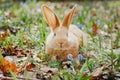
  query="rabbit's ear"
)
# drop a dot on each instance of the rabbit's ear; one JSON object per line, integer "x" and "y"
{"x": 68, "y": 18}
{"x": 50, "y": 17}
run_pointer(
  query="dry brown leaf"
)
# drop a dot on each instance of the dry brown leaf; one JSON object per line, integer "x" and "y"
{"x": 30, "y": 66}
{"x": 47, "y": 69}
{"x": 12, "y": 50}
{"x": 10, "y": 14}
{"x": 39, "y": 55}
{"x": 3, "y": 35}
{"x": 97, "y": 73}
{"x": 95, "y": 29}
{"x": 6, "y": 66}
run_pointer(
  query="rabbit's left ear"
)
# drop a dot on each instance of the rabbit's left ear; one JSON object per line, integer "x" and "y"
{"x": 68, "y": 18}
{"x": 50, "y": 17}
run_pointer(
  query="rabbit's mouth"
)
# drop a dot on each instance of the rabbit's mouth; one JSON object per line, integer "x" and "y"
{"x": 62, "y": 48}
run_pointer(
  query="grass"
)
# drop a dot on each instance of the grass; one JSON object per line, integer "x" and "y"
{"x": 31, "y": 32}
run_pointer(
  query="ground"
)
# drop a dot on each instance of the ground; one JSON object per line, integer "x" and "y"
{"x": 23, "y": 32}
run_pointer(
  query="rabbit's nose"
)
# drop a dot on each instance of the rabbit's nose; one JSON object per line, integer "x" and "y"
{"x": 61, "y": 44}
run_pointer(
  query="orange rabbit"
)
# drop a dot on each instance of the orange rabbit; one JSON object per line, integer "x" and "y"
{"x": 64, "y": 37}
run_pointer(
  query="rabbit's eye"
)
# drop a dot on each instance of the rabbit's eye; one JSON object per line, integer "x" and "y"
{"x": 54, "y": 34}
{"x": 67, "y": 34}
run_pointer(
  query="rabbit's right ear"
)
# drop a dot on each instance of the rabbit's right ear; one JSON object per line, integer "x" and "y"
{"x": 50, "y": 17}
{"x": 68, "y": 18}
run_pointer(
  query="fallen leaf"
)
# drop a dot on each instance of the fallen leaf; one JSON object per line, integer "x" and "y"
{"x": 45, "y": 63}
{"x": 3, "y": 35}
{"x": 38, "y": 76}
{"x": 6, "y": 66}
{"x": 30, "y": 66}
{"x": 95, "y": 29}
{"x": 47, "y": 76}
{"x": 39, "y": 55}
{"x": 97, "y": 73}
{"x": 12, "y": 50}
{"x": 10, "y": 14}
{"x": 48, "y": 69}
{"x": 85, "y": 75}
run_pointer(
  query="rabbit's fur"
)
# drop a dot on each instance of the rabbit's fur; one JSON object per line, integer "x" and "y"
{"x": 64, "y": 38}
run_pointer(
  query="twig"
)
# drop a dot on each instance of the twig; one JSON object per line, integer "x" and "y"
{"x": 11, "y": 78}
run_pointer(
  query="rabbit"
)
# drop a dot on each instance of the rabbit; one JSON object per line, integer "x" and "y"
{"x": 64, "y": 38}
